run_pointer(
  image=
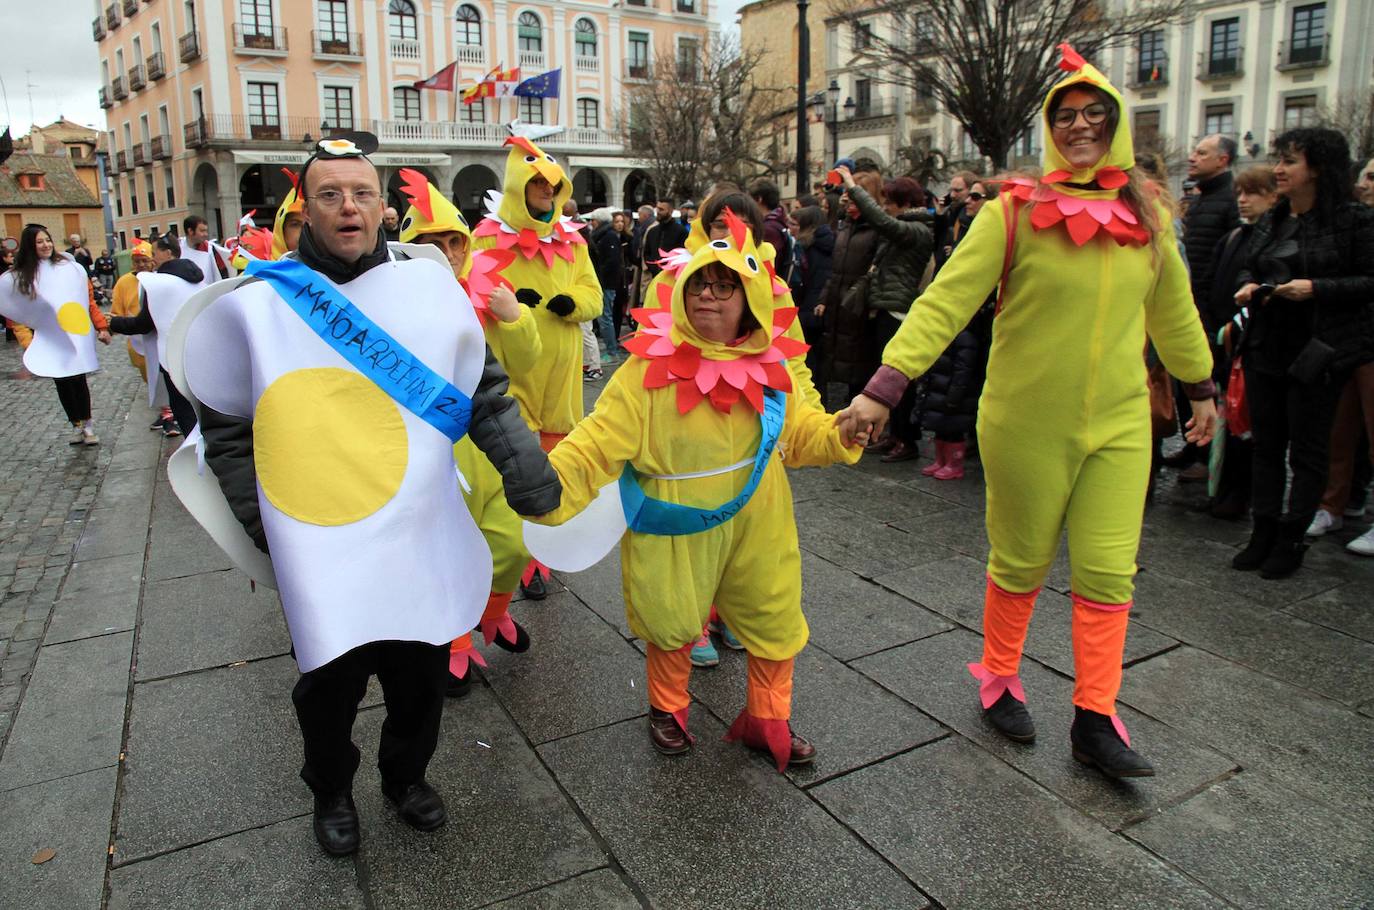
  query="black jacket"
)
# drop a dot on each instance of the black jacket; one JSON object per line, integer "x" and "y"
{"x": 846, "y": 304}
{"x": 817, "y": 261}
{"x": 904, "y": 247}
{"x": 952, "y": 386}
{"x": 1211, "y": 217}
{"x": 531, "y": 486}
{"x": 1337, "y": 254}
{"x": 660, "y": 237}
{"x": 142, "y": 324}
{"x": 607, "y": 253}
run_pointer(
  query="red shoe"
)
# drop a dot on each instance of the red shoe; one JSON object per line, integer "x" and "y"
{"x": 954, "y": 462}
{"x": 939, "y": 462}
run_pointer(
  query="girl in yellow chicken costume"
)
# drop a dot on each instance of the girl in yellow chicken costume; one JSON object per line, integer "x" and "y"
{"x": 511, "y": 334}
{"x": 1089, "y": 267}
{"x": 700, "y": 418}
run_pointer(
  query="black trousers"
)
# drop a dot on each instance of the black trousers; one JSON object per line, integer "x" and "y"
{"x": 182, "y": 411}
{"x": 75, "y": 396}
{"x": 905, "y": 423}
{"x": 1291, "y": 419}
{"x": 413, "y": 676}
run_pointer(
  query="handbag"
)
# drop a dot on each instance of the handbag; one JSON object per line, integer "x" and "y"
{"x": 1161, "y": 385}
{"x": 1237, "y": 408}
{"x": 1312, "y": 361}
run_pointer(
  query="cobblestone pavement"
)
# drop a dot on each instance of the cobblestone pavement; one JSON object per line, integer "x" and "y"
{"x": 150, "y": 743}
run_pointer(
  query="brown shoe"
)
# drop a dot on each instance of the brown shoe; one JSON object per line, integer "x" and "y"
{"x": 1194, "y": 473}
{"x": 901, "y": 452}
{"x": 803, "y": 753}
{"x": 668, "y": 738}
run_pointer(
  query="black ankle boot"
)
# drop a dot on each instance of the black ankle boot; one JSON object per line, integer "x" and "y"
{"x": 1262, "y": 538}
{"x": 336, "y": 824}
{"x": 1285, "y": 557}
{"x": 519, "y": 646}
{"x": 1095, "y": 741}
{"x": 458, "y": 686}
{"x": 1011, "y": 719}
{"x": 536, "y": 589}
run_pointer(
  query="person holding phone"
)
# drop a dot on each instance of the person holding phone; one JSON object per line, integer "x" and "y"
{"x": 1308, "y": 282}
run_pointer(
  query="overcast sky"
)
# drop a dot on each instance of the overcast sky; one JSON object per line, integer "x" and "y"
{"x": 57, "y": 55}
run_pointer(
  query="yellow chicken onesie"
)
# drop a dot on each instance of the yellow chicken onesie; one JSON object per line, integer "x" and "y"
{"x": 553, "y": 274}
{"x": 680, "y": 424}
{"x": 517, "y": 346}
{"x": 125, "y": 300}
{"x": 293, "y": 204}
{"x": 1064, "y": 422}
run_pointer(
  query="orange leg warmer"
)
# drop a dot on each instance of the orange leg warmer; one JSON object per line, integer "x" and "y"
{"x": 460, "y": 653}
{"x": 496, "y": 618}
{"x": 1099, "y": 638}
{"x": 1006, "y": 616}
{"x": 668, "y": 674}
{"x": 763, "y": 724}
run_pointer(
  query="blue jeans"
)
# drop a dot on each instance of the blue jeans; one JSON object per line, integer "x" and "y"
{"x": 605, "y": 323}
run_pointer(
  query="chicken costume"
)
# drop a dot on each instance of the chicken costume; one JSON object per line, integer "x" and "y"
{"x": 675, "y": 431}
{"x": 552, "y": 261}
{"x": 1064, "y": 421}
{"x": 293, "y": 204}
{"x": 517, "y": 346}
{"x": 125, "y": 303}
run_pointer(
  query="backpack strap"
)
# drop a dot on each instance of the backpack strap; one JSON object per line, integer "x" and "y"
{"x": 1010, "y": 216}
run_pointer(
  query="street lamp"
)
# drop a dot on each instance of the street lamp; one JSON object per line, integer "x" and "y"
{"x": 803, "y": 76}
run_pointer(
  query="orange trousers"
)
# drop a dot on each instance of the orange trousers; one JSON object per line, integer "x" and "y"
{"x": 770, "y": 684}
{"x": 1099, "y": 639}
{"x": 494, "y": 619}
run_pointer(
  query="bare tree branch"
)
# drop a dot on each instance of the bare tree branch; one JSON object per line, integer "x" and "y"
{"x": 1353, "y": 116}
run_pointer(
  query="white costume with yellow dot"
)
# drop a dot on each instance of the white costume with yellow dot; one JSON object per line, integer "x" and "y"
{"x": 63, "y": 336}
{"x": 369, "y": 537}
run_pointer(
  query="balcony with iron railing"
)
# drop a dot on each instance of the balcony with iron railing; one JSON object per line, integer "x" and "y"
{"x": 637, "y": 69}
{"x": 1216, "y": 64}
{"x": 105, "y": 101}
{"x": 333, "y": 45}
{"x": 121, "y": 162}
{"x": 98, "y": 28}
{"x": 405, "y": 49}
{"x": 138, "y": 78}
{"x": 531, "y": 60}
{"x": 471, "y": 53}
{"x": 1148, "y": 73}
{"x": 161, "y": 147}
{"x": 112, "y": 18}
{"x": 156, "y": 68}
{"x": 188, "y": 46}
{"x": 230, "y": 129}
{"x": 130, "y": 7}
{"x": 446, "y": 134}
{"x": 874, "y": 108}
{"x": 685, "y": 6}
{"x": 141, "y": 156}
{"x": 254, "y": 39}
{"x": 587, "y": 63}
{"x": 119, "y": 88}
{"x": 1301, "y": 55}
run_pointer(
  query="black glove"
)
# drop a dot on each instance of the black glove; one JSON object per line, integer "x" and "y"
{"x": 561, "y": 305}
{"x": 529, "y": 297}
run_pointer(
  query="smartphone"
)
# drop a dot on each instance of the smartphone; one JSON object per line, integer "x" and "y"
{"x": 1261, "y": 293}
{"x": 832, "y": 178}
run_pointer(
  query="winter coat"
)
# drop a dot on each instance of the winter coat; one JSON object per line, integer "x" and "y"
{"x": 1211, "y": 216}
{"x": 845, "y": 324}
{"x": 660, "y": 237}
{"x": 952, "y": 386}
{"x": 904, "y": 248}
{"x": 607, "y": 256}
{"x": 817, "y": 261}
{"x": 1338, "y": 256}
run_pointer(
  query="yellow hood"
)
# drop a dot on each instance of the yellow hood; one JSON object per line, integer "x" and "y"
{"x": 431, "y": 212}
{"x": 1121, "y": 154}
{"x": 292, "y": 203}
{"x": 525, "y": 161}
{"x": 739, "y": 254}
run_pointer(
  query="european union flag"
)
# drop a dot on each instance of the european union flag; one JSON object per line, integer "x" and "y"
{"x": 544, "y": 85}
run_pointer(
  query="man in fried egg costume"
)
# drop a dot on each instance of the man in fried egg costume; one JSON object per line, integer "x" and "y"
{"x": 332, "y": 385}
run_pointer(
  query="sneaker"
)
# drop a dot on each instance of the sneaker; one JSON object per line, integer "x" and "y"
{"x": 1324, "y": 521}
{"x": 79, "y": 438}
{"x": 158, "y": 424}
{"x": 593, "y": 374}
{"x": 1362, "y": 545}
{"x": 170, "y": 429}
{"x": 727, "y": 637}
{"x": 1356, "y": 510}
{"x": 704, "y": 653}
{"x": 88, "y": 437}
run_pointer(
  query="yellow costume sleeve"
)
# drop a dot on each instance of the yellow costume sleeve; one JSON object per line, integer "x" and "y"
{"x": 518, "y": 342}
{"x": 595, "y": 452}
{"x": 125, "y": 302}
{"x": 811, "y": 439}
{"x": 586, "y": 291}
{"x": 804, "y": 383}
{"x": 956, "y": 294}
{"x": 1171, "y": 318}
{"x": 23, "y": 334}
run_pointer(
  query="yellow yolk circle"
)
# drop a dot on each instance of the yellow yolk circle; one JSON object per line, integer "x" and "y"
{"x": 330, "y": 447}
{"x": 74, "y": 319}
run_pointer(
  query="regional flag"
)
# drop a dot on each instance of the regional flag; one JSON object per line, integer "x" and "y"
{"x": 441, "y": 81}
{"x": 505, "y": 80}
{"x": 544, "y": 85}
{"x": 474, "y": 93}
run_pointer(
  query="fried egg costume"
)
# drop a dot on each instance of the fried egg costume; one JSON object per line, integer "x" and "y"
{"x": 551, "y": 259}
{"x": 517, "y": 346}
{"x": 687, "y": 425}
{"x": 59, "y": 316}
{"x": 1064, "y": 418}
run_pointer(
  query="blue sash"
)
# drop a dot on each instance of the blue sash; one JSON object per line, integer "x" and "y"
{"x": 367, "y": 346}
{"x": 647, "y": 515}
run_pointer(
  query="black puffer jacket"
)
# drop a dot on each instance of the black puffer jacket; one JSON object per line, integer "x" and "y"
{"x": 846, "y": 307}
{"x": 817, "y": 259}
{"x": 1337, "y": 254}
{"x": 952, "y": 386}
{"x": 904, "y": 248}
{"x": 1211, "y": 217}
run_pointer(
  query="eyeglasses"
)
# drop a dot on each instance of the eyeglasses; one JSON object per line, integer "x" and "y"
{"x": 332, "y": 199}
{"x": 721, "y": 290}
{"x": 976, "y": 196}
{"x": 1093, "y": 114}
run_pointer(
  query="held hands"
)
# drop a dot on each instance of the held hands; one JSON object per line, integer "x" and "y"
{"x": 503, "y": 303}
{"x": 103, "y": 336}
{"x": 1202, "y": 426}
{"x": 561, "y": 305}
{"x": 863, "y": 420}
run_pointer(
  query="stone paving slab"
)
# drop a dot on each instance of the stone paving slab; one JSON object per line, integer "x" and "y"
{"x": 851, "y": 721}
{"x": 129, "y": 491}
{"x": 976, "y": 834}
{"x": 892, "y": 502}
{"x": 1208, "y": 564}
{"x": 1312, "y": 744}
{"x": 571, "y": 651}
{"x": 208, "y": 620}
{"x": 600, "y": 889}
{"x": 70, "y": 816}
{"x": 100, "y": 596}
{"x": 1348, "y": 609}
{"x": 509, "y": 829}
{"x": 932, "y": 674}
{"x": 72, "y": 716}
{"x": 865, "y": 546}
{"x": 211, "y": 754}
{"x": 850, "y": 616}
{"x": 277, "y": 867}
{"x": 599, "y": 587}
{"x": 716, "y": 828}
{"x": 112, "y": 532}
{"x": 1280, "y": 849}
{"x": 181, "y": 548}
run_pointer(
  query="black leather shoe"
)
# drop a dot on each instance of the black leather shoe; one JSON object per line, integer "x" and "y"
{"x": 458, "y": 686}
{"x": 519, "y": 646}
{"x": 419, "y": 805}
{"x": 1285, "y": 557}
{"x": 336, "y": 824}
{"x": 1095, "y": 741}
{"x": 536, "y": 589}
{"x": 1011, "y": 719}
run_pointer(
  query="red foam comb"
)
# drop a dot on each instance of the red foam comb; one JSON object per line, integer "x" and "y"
{"x": 739, "y": 231}
{"x": 525, "y": 144}
{"x": 416, "y": 188}
{"x": 1071, "y": 61}
{"x": 291, "y": 175}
